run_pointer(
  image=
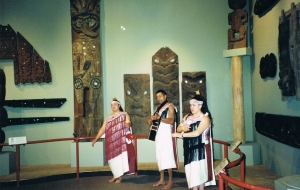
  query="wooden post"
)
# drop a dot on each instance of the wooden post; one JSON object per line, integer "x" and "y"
{"x": 238, "y": 99}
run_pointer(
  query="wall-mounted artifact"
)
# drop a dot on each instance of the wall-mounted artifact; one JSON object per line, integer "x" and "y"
{"x": 268, "y": 66}
{"x": 289, "y": 48}
{"x": 192, "y": 82}
{"x": 36, "y": 103}
{"x": 87, "y": 67}
{"x": 282, "y": 128}
{"x": 34, "y": 120}
{"x": 237, "y": 34}
{"x": 29, "y": 66}
{"x": 261, "y": 7}
{"x": 165, "y": 75}
{"x": 137, "y": 101}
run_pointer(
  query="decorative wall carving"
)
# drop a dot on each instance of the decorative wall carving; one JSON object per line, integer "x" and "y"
{"x": 165, "y": 74}
{"x": 87, "y": 67}
{"x": 268, "y": 66}
{"x": 29, "y": 66}
{"x": 191, "y": 82}
{"x": 137, "y": 101}
{"x": 289, "y": 56}
{"x": 284, "y": 129}
{"x": 237, "y": 34}
{"x": 263, "y": 6}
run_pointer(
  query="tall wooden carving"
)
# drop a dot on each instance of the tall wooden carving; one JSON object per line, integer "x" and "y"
{"x": 87, "y": 67}
{"x": 191, "y": 82}
{"x": 137, "y": 101}
{"x": 165, "y": 74}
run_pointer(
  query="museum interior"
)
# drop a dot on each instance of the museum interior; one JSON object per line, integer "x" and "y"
{"x": 63, "y": 61}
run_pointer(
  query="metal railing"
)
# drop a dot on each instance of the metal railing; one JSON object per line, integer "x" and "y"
{"x": 223, "y": 178}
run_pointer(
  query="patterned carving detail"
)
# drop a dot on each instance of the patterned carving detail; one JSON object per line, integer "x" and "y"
{"x": 29, "y": 66}
{"x": 87, "y": 71}
{"x": 237, "y": 34}
{"x": 191, "y": 82}
{"x": 165, "y": 74}
{"x": 137, "y": 101}
{"x": 288, "y": 46}
{"x": 284, "y": 129}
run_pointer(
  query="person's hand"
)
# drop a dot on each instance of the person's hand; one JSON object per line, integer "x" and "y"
{"x": 94, "y": 141}
{"x": 155, "y": 117}
{"x": 149, "y": 121}
{"x": 177, "y": 135}
{"x": 185, "y": 128}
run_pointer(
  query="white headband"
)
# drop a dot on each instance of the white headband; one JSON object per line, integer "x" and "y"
{"x": 193, "y": 101}
{"x": 115, "y": 102}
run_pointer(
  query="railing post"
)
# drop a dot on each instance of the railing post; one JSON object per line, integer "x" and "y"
{"x": 77, "y": 158}
{"x": 18, "y": 164}
{"x": 242, "y": 172}
{"x": 135, "y": 150}
{"x": 221, "y": 182}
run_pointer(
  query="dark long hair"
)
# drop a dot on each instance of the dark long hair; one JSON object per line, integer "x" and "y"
{"x": 120, "y": 108}
{"x": 204, "y": 109}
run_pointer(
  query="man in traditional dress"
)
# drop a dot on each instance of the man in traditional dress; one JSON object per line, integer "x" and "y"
{"x": 119, "y": 150}
{"x": 165, "y": 145}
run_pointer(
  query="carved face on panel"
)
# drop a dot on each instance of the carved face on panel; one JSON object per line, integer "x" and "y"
{"x": 137, "y": 101}
{"x": 165, "y": 74}
{"x": 191, "y": 82}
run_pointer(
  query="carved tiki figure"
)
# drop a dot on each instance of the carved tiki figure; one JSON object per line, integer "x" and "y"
{"x": 165, "y": 75}
{"x": 192, "y": 82}
{"x": 237, "y": 34}
{"x": 137, "y": 101}
{"x": 86, "y": 67}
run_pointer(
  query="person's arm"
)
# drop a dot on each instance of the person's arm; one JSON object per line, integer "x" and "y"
{"x": 100, "y": 132}
{"x": 170, "y": 118}
{"x": 128, "y": 122}
{"x": 181, "y": 128}
{"x": 204, "y": 124}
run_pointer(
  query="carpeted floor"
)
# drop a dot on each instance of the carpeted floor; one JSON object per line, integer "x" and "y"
{"x": 63, "y": 176}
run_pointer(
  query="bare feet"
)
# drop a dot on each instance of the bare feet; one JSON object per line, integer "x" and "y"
{"x": 111, "y": 180}
{"x": 158, "y": 183}
{"x": 119, "y": 180}
{"x": 168, "y": 186}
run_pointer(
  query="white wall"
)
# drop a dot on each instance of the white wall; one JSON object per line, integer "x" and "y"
{"x": 282, "y": 159}
{"x": 195, "y": 30}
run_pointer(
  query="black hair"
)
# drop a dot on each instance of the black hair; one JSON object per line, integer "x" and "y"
{"x": 120, "y": 107}
{"x": 161, "y": 91}
{"x": 204, "y": 108}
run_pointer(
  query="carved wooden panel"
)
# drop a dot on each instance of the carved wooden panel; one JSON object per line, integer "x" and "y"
{"x": 29, "y": 66}
{"x": 191, "y": 82}
{"x": 137, "y": 101}
{"x": 237, "y": 34}
{"x": 165, "y": 74}
{"x": 284, "y": 129}
{"x": 87, "y": 67}
{"x": 288, "y": 45}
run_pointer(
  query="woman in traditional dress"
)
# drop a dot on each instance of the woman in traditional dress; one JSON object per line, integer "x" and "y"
{"x": 197, "y": 143}
{"x": 119, "y": 150}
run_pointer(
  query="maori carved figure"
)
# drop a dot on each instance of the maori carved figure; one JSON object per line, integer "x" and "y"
{"x": 85, "y": 15}
{"x": 237, "y": 34}
{"x": 191, "y": 82}
{"x": 137, "y": 101}
{"x": 288, "y": 55}
{"x": 165, "y": 74}
{"x": 29, "y": 66}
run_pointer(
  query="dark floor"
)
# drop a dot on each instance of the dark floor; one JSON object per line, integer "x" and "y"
{"x": 98, "y": 180}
